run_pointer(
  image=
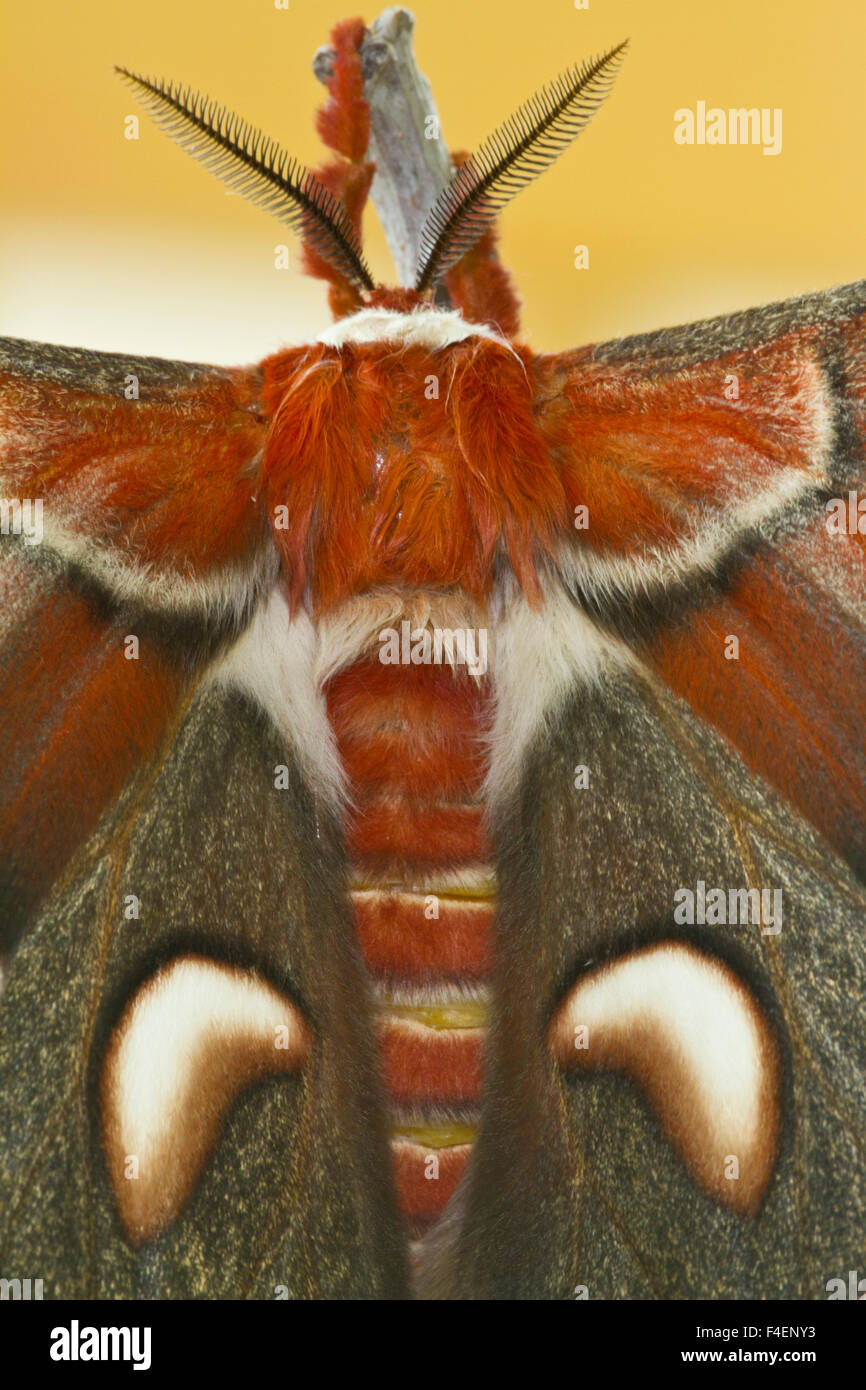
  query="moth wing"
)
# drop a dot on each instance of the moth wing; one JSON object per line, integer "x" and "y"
{"x": 614, "y": 1179}
{"x": 722, "y": 466}
{"x": 174, "y": 895}
{"x": 654, "y": 765}
{"x": 131, "y": 549}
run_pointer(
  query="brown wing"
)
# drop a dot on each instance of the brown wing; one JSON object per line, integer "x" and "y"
{"x": 129, "y": 487}
{"x": 712, "y": 462}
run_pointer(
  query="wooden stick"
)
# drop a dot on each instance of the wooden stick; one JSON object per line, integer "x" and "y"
{"x": 412, "y": 161}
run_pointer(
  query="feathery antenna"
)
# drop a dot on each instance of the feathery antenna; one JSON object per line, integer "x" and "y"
{"x": 517, "y": 151}
{"x": 255, "y": 166}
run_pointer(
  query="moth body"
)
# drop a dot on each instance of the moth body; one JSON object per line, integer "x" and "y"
{"x": 368, "y": 712}
{"x": 410, "y": 702}
{"x": 410, "y": 739}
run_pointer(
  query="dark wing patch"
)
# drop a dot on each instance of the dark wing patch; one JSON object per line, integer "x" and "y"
{"x": 296, "y": 1194}
{"x": 573, "y": 1181}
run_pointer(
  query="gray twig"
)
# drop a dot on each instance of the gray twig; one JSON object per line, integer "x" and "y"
{"x": 412, "y": 161}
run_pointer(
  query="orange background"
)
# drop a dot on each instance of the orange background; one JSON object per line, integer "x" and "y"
{"x": 129, "y": 245}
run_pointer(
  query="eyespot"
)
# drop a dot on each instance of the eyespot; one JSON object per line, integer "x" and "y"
{"x": 191, "y": 1039}
{"x": 689, "y": 1031}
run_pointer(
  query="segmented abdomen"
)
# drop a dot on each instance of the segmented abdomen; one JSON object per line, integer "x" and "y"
{"x": 410, "y": 738}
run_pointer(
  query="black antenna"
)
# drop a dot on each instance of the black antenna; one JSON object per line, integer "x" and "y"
{"x": 517, "y": 151}
{"x": 255, "y": 166}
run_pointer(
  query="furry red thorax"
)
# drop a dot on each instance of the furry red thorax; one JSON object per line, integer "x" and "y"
{"x": 426, "y": 466}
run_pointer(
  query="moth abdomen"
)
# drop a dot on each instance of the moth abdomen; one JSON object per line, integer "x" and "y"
{"x": 410, "y": 738}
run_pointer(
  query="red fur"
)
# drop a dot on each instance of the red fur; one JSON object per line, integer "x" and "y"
{"x": 644, "y": 451}
{"x": 398, "y": 940}
{"x": 344, "y": 121}
{"x": 416, "y": 491}
{"x": 397, "y": 300}
{"x": 410, "y": 738}
{"x": 381, "y": 761}
{"x": 167, "y": 478}
{"x": 82, "y": 735}
{"x": 431, "y": 1065}
{"x": 654, "y": 453}
{"x": 344, "y": 126}
{"x": 168, "y": 482}
{"x": 804, "y": 736}
{"x": 406, "y": 829}
{"x": 405, "y": 728}
{"x": 417, "y": 1195}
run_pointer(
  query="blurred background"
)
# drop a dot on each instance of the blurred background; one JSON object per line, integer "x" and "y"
{"x": 129, "y": 245}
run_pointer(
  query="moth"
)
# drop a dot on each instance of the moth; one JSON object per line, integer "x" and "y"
{"x": 433, "y": 805}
